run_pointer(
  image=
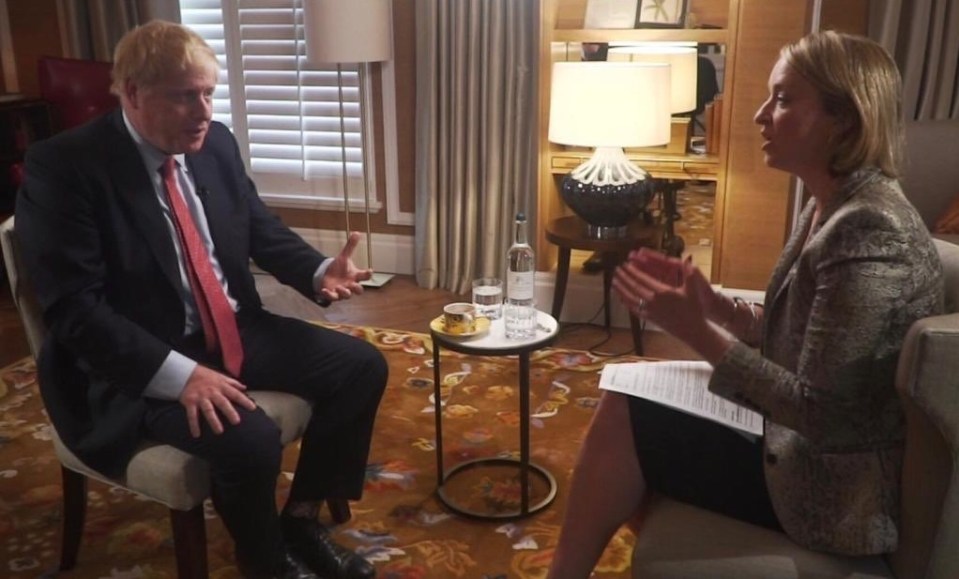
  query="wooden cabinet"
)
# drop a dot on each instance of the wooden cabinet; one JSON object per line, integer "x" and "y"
{"x": 753, "y": 203}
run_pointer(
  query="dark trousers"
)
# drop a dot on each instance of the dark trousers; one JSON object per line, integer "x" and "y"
{"x": 343, "y": 376}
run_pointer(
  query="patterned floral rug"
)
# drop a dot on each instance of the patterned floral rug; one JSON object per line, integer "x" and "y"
{"x": 399, "y": 524}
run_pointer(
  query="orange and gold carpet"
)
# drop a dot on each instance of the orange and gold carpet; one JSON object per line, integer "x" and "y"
{"x": 399, "y": 524}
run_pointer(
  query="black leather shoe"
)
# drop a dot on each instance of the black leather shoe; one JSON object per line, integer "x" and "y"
{"x": 311, "y": 542}
{"x": 289, "y": 567}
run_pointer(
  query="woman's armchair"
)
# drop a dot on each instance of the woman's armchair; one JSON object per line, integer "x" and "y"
{"x": 682, "y": 542}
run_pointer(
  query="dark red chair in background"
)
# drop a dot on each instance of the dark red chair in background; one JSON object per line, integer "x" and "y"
{"x": 77, "y": 90}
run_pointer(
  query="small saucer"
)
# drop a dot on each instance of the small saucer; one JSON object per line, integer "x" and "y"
{"x": 482, "y": 326}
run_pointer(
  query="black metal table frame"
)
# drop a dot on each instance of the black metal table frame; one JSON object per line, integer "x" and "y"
{"x": 524, "y": 464}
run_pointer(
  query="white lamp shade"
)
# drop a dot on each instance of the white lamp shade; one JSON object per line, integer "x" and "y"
{"x": 609, "y": 104}
{"x": 682, "y": 59}
{"x": 347, "y": 31}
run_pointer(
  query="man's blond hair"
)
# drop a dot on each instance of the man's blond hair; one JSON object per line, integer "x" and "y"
{"x": 151, "y": 53}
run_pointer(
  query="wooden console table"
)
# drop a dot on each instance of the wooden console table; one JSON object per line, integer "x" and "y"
{"x": 659, "y": 165}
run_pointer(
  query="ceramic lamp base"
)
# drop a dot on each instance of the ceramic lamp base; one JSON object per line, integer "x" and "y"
{"x": 606, "y": 209}
{"x": 608, "y": 192}
{"x": 604, "y": 232}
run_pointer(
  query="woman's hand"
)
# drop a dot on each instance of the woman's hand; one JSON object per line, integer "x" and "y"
{"x": 674, "y": 295}
{"x": 676, "y": 272}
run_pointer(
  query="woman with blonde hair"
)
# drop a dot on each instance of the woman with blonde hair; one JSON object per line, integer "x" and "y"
{"x": 817, "y": 359}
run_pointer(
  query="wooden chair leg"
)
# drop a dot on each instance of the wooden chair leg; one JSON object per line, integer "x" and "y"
{"x": 339, "y": 510}
{"x": 74, "y": 513}
{"x": 189, "y": 540}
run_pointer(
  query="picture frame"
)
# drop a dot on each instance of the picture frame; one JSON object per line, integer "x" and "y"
{"x": 661, "y": 14}
{"x": 610, "y": 13}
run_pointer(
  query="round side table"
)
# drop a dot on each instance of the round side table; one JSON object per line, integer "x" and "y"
{"x": 495, "y": 343}
{"x": 570, "y": 233}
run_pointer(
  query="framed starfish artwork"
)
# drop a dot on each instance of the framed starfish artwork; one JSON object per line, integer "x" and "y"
{"x": 610, "y": 14}
{"x": 661, "y": 14}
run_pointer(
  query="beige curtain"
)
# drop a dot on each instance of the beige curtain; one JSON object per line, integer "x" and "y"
{"x": 923, "y": 35}
{"x": 91, "y": 28}
{"x": 475, "y": 135}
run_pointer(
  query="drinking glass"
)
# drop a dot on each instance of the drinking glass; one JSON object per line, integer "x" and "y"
{"x": 488, "y": 297}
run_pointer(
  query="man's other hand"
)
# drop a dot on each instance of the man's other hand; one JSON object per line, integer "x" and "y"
{"x": 212, "y": 394}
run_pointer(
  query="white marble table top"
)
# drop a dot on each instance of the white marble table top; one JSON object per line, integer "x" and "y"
{"x": 495, "y": 341}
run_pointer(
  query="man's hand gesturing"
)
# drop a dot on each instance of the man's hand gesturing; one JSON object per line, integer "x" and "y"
{"x": 342, "y": 278}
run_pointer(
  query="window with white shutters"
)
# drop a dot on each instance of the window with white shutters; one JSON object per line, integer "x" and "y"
{"x": 285, "y": 112}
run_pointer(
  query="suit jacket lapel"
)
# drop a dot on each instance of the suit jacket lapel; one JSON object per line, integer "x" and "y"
{"x": 785, "y": 270}
{"x": 135, "y": 190}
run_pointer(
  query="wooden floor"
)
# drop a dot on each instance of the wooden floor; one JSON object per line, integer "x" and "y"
{"x": 400, "y": 305}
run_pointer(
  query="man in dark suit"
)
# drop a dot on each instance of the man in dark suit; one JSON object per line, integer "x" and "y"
{"x": 125, "y": 223}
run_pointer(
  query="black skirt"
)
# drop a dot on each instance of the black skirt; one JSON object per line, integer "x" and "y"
{"x": 702, "y": 463}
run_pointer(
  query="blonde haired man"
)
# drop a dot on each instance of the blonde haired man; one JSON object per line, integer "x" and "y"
{"x": 138, "y": 229}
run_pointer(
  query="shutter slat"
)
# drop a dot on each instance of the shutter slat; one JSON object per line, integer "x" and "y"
{"x": 292, "y": 106}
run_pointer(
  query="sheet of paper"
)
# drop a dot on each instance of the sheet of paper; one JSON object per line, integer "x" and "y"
{"x": 682, "y": 385}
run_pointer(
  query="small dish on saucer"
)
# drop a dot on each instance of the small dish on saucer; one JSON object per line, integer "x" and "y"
{"x": 439, "y": 326}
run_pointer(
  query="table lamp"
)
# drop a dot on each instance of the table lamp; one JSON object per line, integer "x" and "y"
{"x": 609, "y": 105}
{"x": 682, "y": 59}
{"x": 353, "y": 32}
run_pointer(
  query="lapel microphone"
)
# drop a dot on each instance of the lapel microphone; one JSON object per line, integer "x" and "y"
{"x": 202, "y": 192}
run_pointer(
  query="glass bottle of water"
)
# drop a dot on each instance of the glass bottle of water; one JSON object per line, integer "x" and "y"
{"x": 519, "y": 313}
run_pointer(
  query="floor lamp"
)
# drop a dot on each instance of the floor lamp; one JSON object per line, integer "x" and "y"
{"x": 350, "y": 32}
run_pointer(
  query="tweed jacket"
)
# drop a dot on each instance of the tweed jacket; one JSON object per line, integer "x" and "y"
{"x": 835, "y": 315}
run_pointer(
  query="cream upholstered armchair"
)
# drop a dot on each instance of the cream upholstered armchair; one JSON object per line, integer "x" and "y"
{"x": 681, "y": 541}
{"x": 158, "y": 472}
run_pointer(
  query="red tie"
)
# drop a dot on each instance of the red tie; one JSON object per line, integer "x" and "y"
{"x": 219, "y": 321}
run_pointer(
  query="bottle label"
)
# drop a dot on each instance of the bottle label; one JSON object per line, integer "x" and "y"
{"x": 519, "y": 285}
